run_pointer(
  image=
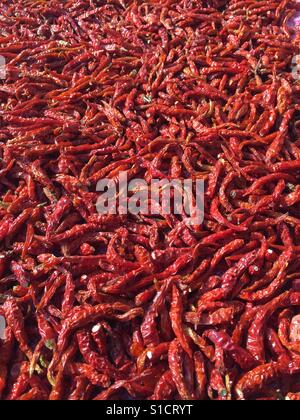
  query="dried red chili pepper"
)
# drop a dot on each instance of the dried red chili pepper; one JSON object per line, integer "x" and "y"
{"x": 255, "y": 340}
{"x": 91, "y": 357}
{"x": 243, "y": 358}
{"x": 176, "y": 363}
{"x": 165, "y": 388}
{"x": 6, "y": 348}
{"x": 15, "y": 321}
{"x": 149, "y": 326}
{"x": 200, "y": 375}
{"x": 254, "y": 381}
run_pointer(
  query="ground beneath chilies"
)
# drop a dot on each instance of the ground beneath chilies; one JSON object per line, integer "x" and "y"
{"x": 141, "y": 307}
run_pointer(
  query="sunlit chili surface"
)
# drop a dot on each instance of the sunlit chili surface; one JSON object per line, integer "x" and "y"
{"x": 144, "y": 307}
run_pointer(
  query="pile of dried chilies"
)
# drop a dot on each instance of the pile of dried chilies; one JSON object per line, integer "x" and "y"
{"x": 141, "y": 307}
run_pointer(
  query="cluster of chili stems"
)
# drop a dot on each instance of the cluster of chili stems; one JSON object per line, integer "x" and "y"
{"x": 146, "y": 307}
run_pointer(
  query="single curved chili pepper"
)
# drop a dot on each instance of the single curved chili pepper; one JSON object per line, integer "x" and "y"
{"x": 200, "y": 375}
{"x": 213, "y": 179}
{"x": 99, "y": 363}
{"x": 176, "y": 363}
{"x": 293, "y": 396}
{"x": 154, "y": 354}
{"x": 176, "y": 316}
{"x": 20, "y": 274}
{"x": 241, "y": 356}
{"x": 18, "y": 223}
{"x": 95, "y": 378}
{"x": 254, "y": 381}
{"x": 15, "y": 321}
{"x": 6, "y": 348}
{"x": 79, "y": 317}
{"x": 69, "y": 295}
{"x": 276, "y": 285}
{"x": 81, "y": 386}
{"x": 148, "y": 327}
{"x": 294, "y": 328}
{"x": 165, "y": 387}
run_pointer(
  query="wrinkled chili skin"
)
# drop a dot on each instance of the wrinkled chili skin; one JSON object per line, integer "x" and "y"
{"x": 149, "y": 307}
